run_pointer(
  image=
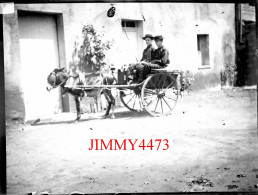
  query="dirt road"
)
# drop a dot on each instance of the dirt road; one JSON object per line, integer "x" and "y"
{"x": 212, "y": 147}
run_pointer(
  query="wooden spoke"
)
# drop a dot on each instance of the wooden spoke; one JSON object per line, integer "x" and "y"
{"x": 158, "y": 83}
{"x": 170, "y": 85}
{"x": 164, "y": 82}
{"x": 131, "y": 98}
{"x": 150, "y": 102}
{"x": 156, "y": 105}
{"x": 150, "y": 91}
{"x": 135, "y": 100}
{"x": 147, "y": 97}
{"x": 152, "y": 82}
{"x": 170, "y": 98}
{"x": 161, "y": 105}
{"x": 140, "y": 103}
{"x": 160, "y": 93}
{"x": 166, "y": 103}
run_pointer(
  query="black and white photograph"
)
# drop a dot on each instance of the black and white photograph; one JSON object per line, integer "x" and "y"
{"x": 130, "y": 97}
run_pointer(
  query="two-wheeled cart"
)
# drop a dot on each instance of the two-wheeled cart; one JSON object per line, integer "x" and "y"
{"x": 157, "y": 94}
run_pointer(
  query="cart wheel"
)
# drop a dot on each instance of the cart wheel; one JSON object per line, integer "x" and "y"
{"x": 159, "y": 94}
{"x": 131, "y": 98}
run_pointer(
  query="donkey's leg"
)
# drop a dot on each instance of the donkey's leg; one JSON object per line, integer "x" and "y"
{"x": 108, "y": 101}
{"x": 100, "y": 103}
{"x": 112, "y": 103}
{"x": 91, "y": 107}
{"x": 95, "y": 102}
{"x": 103, "y": 101}
{"x": 78, "y": 107}
{"x": 99, "y": 106}
{"x": 113, "y": 107}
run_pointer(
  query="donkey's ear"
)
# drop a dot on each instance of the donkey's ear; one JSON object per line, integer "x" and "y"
{"x": 59, "y": 70}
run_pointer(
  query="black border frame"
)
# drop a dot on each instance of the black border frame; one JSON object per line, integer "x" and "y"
{"x": 125, "y": 1}
{"x": 2, "y": 114}
{"x": 3, "y": 173}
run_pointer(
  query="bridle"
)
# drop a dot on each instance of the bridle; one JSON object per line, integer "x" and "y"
{"x": 54, "y": 83}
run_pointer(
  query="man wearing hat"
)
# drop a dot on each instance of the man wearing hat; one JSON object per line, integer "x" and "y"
{"x": 160, "y": 57}
{"x": 147, "y": 56}
{"x": 149, "y": 50}
{"x": 161, "y": 54}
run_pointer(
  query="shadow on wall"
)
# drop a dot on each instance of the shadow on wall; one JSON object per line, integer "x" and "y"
{"x": 14, "y": 104}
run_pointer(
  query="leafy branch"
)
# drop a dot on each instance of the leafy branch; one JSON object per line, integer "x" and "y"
{"x": 90, "y": 54}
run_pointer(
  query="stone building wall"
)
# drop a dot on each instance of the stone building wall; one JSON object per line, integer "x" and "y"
{"x": 178, "y": 23}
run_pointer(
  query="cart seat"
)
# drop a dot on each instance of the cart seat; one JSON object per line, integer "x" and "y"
{"x": 165, "y": 70}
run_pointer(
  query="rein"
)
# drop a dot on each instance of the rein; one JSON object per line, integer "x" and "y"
{"x": 55, "y": 86}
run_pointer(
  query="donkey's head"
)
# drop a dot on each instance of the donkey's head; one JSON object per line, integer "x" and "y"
{"x": 56, "y": 78}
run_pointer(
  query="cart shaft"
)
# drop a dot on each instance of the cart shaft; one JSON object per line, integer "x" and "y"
{"x": 102, "y": 86}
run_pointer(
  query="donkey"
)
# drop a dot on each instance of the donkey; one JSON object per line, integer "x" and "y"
{"x": 61, "y": 77}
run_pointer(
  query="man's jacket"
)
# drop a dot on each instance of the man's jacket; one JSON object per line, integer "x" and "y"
{"x": 161, "y": 57}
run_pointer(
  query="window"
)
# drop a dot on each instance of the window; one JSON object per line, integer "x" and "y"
{"x": 203, "y": 49}
{"x": 128, "y": 23}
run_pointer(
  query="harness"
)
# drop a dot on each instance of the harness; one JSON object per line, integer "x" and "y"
{"x": 54, "y": 84}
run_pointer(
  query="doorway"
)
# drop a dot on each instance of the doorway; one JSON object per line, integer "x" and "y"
{"x": 39, "y": 56}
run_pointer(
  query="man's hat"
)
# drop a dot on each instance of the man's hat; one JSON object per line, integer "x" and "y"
{"x": 147, "y": 36}
{"x": 158, "y": 37}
